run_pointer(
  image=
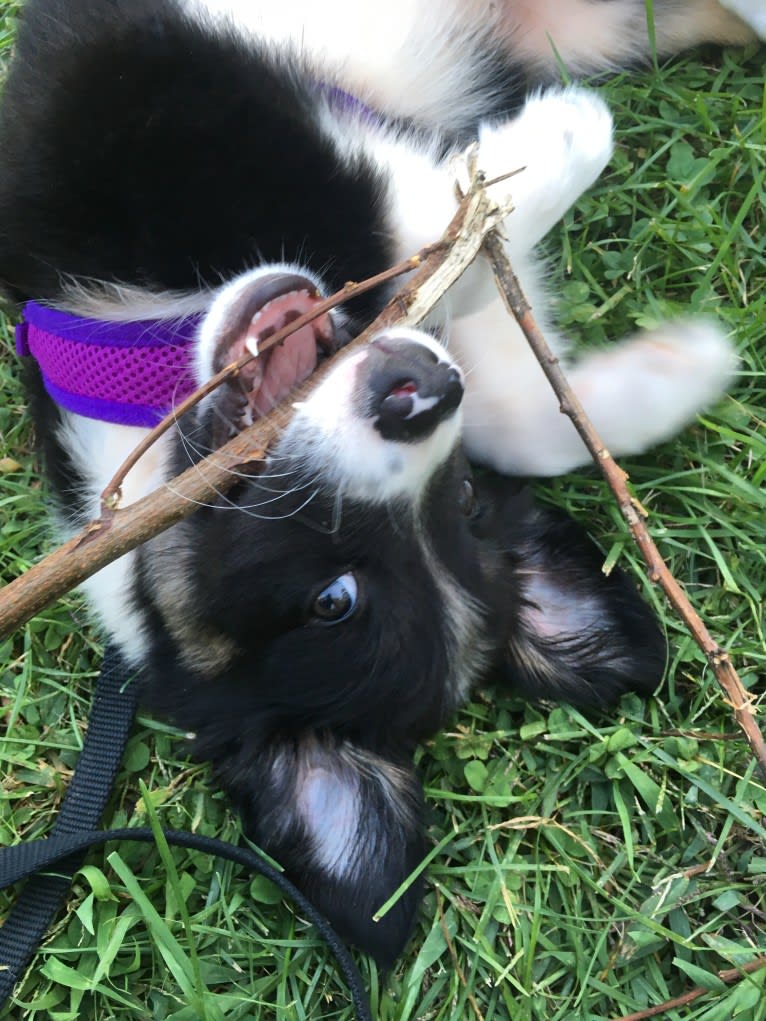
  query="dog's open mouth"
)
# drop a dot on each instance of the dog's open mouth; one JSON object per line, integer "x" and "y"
{"x": 271, "y": 304}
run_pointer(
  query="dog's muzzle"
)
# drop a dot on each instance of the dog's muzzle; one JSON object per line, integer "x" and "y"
{"x": 382, "y": 421}
{"x": 407, "y": 387}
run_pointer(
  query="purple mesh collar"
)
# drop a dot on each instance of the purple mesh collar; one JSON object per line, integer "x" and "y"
{"x": 127, "y": 373}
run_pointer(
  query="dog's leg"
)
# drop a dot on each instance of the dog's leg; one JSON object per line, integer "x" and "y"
{"x": 638, "y": 393}
{"x": 559, "y": 143}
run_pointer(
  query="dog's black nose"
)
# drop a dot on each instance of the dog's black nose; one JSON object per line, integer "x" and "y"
{"x": 409, "y": 388}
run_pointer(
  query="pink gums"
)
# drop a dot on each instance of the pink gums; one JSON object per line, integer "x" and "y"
{"x": 274, "y": 373}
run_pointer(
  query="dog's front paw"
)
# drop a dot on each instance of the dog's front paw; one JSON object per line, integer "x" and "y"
{"x": 690, "y": 363}
{"x": 560, "y": 143}
{"x": 574, "y": 127}
{"x": 752, "y": 12}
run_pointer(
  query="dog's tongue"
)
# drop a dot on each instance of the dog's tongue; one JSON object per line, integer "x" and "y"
{"x": 274, "y": 374}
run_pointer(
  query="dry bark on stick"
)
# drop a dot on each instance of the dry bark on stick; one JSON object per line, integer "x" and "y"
{"x": 718, "y": 658}
{"x": 118, "y": 531}
{"x": 729, "y": 976}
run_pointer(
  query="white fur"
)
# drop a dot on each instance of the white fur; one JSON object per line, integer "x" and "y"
{"x": 332, "y": 788}
{"x": 637, "y": 393}
{"x": 752, "y": 12}
{"x": 97, "y": 450}
{"x": 328, "y": 806}
{"x": 377, "y": 52}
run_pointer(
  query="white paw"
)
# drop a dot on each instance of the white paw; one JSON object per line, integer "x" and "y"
{"x": 646, "y": 389}
{"x": 689, "y": 364}
{"x": 574, "y": 126}
{"x": 562, "y": 139}
{"x": 752, "y": 12}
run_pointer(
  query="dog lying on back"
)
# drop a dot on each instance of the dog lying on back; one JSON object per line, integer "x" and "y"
{"x": 180, "y": 178}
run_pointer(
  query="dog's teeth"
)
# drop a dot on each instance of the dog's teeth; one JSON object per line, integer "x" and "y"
{"x": 251, "y": 343}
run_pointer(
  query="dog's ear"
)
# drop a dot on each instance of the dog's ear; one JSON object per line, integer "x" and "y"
{"x": 576, "y": 634}
{"x": 345, "y": 823}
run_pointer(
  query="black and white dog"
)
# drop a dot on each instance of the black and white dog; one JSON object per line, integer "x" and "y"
{"x": 179, "y": 178}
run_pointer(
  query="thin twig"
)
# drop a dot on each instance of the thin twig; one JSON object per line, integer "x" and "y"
{"x": 658, "y": 571}
{"x": 729, "y": 976}
{"x": 112, "y": 494}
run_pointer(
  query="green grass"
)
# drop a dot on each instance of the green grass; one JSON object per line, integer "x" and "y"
{"x": 589, "y": 866}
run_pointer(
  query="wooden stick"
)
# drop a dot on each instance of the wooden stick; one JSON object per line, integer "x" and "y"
{"x": 739, "y": 700}
{"x": 118, "y": 531}
{"x": 729, "y": 976}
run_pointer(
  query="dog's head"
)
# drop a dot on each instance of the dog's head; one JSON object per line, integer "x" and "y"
{"x": 327, "y": 614}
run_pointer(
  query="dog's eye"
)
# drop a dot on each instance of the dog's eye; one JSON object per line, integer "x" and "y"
{"x": 466, "y": 500}
{"x": 336, "y": 602}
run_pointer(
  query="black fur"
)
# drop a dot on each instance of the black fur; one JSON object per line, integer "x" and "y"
{"x": 376, "y": 684}
{"x": 118, "y": 172}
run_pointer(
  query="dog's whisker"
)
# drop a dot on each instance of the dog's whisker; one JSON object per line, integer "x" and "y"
{"x": 249, "y": 509}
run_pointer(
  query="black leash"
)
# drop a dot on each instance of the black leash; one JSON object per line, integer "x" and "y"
{"x": 114, "y": 706}
{"x": 75, "y": 830}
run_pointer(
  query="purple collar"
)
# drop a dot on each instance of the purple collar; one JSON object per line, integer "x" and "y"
{"x": 339, "y": 99}
{"x": 128, "y": 373}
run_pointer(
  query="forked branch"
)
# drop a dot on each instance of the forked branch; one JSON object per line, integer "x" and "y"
{"x": 119, "y": 530}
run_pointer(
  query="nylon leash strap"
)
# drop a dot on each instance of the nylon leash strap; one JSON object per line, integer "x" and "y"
{"x": 75, "y": 831}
